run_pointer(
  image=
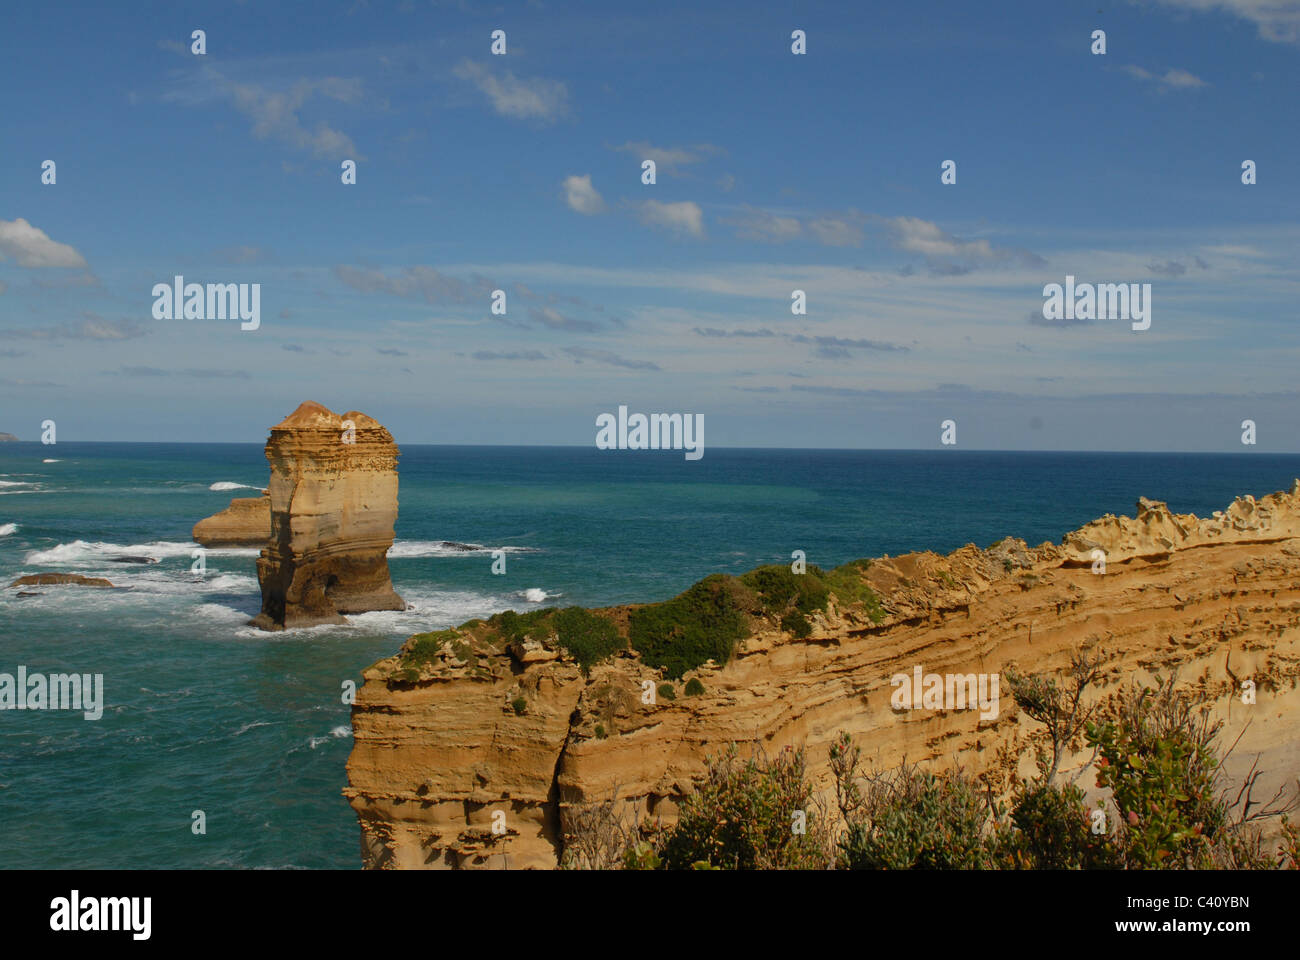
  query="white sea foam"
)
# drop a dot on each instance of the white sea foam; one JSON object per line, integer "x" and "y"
{"x": 535, "y": 595}
{"x": 230, "y": 485}
{"x": 98, "y": 552}
{"x": 16, "y": 483}
{"x": 334, "y": 734}
{"x": 8, "y": 528}
{"x": 51, "y": 461}
{"x": 405, "y": 549}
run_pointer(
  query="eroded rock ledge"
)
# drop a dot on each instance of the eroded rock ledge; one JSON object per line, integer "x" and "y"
{"x": 245, "y": 523}
{"x": 333, "y": 494}
{"x": 470, "y": 722}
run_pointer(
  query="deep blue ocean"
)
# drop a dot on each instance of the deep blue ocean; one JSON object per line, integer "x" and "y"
{"x": 205, "y": 713}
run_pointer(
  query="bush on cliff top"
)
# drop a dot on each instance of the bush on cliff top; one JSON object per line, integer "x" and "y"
{"x": 588, "y": 637}
{"x": 425, "y": 646}
{"x": 699, "y": 625}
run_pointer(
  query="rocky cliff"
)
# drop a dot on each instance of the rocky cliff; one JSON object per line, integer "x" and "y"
{"x": 483, "y": 727}
{"x": 245, "y": 523}
{"x": 333, "y": 503}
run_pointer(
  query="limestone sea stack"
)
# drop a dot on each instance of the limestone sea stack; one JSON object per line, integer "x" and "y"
{"x": 245, "y": 523}
{"x": 333, "y": 495}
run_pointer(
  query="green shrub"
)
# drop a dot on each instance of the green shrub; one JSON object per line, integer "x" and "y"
{"x": 600, "y": 731}
{"x": 425, "y": 646}
{"x": 913, "y": 820}
{"x": 666, "y": 691}
{"x": 520, "y": 705}
{"x": 850, "y": 588}
{"x": 797, "y": 624}
{"x": 514, "y": 626}
{"x": 693, "y": 687}
{"x": 1054, "y": 832}
{"x": 587, "y": 636}
{"x": 701, "y": 624}
{"x": 1158, "y": 760}
{"x": 742, "y": 817}
{"x": 778, "y": 588}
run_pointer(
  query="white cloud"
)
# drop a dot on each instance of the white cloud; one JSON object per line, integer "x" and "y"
{"x": 669, "y": 159}
{"x": 681, "y": 217}
{"x": 1173, "y": 79}
{"x": 1277, "y": 20}
{"x": 582, "y": 196}
{"x": 927, "y": 238}
{"x": 535, "y": 98}
{"x": 275, "y": 114}
{"x": 756, "y": 224}
{"x": 831, "y": 232}
{"x": 31, "y": 246}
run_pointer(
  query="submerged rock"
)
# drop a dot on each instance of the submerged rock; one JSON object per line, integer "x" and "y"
{"x": 53, "y": 579}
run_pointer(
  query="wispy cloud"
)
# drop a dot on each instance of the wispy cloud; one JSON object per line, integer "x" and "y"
{"x": 515, "y": 355}
{"x": 1172, "y": 79}
{"x": 1276, "y": 20}
{"x": 682, "y": 217}
{"x": 579, "y": 354}
{"x": 90, "y": 327}
{"x": 419, "y": 281}
{"x": 669, "y": 160}
{"x": 535, "y": 98}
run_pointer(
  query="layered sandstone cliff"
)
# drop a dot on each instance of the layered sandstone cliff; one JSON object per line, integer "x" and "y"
{"x": 245, "y": 523}
{"x": 333, "y": 494}
{"x": 482, "y": 734}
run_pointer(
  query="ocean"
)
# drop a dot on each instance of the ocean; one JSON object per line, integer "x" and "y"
{"x": 205, "y": 713}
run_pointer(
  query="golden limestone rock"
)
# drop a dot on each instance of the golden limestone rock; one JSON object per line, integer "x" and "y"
{"x": 245, "y": 523}
{"x": 474, "y": 750}
{"x": 333, "y": 503}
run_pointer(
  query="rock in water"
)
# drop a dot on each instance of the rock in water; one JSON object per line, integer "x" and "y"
{"x": 333, "y": 496}
{"x": 55, "y": 579}
{"x": 245, "y": 523}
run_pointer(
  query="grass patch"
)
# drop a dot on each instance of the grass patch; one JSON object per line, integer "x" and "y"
{"x": 847, "y": 582}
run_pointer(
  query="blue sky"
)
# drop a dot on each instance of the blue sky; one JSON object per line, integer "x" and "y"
{"x": 775, "y": 172}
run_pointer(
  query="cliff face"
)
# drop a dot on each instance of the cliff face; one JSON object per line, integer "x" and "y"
{"x": 245, "y": 523}
{"x": 333, "y": 503}
{"x": 519, "y": 732}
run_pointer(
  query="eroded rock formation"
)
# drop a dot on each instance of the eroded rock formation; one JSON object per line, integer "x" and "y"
{"x": 444, "y": 742}
{"x": 333, "y": 494}
{"x": 245, "y": 523}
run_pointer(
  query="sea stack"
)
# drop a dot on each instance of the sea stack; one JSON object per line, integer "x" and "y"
{"x": 333, "y": 497}
{"x": 245, "y": 523}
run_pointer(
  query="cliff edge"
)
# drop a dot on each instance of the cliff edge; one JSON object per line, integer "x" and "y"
{"x": 472, "y": 745}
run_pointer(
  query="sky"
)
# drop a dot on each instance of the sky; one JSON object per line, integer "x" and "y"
{"x": 774, "y": 172}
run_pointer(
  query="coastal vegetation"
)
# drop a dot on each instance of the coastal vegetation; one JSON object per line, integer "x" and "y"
{"x": 1156, "y": 757}
{"x": 701, "y": 624}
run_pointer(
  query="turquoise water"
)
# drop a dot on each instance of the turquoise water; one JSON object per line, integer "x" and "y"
{"x": 205, "y": 713}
